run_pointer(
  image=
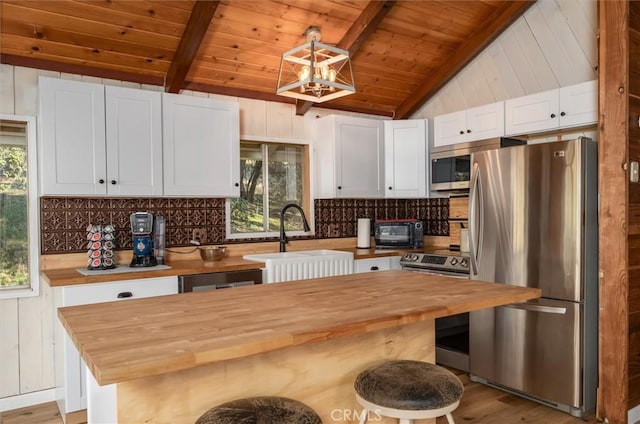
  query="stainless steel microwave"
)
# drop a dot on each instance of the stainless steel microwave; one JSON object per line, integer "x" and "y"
{"x": 451, "y": 165}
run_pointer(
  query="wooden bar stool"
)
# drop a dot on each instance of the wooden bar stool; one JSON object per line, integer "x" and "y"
{"x": 408, "y": 390}
{"x": 263, "y": 410}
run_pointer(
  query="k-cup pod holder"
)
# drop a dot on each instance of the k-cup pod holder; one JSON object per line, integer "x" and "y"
{"x": 100, "y": 246}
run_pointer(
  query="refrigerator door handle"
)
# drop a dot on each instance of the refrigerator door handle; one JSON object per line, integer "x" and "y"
{"x": 475, "y": 217}
{"x": 537, "y": 308}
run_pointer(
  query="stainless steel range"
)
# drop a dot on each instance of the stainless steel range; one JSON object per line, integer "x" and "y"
{"x": 452, "y": 333}
{"x": 436, "y": 264}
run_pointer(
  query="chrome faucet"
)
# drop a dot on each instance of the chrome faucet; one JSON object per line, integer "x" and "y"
{"x": 283, "y": 236}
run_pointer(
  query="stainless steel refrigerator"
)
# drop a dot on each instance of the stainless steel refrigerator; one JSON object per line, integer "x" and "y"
{"x": 533, "y": 223}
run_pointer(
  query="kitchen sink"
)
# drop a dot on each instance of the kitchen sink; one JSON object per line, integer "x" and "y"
{"x": 304, "y": 264}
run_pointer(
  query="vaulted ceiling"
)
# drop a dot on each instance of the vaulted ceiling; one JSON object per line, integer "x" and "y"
{"x": 402, "y": 51}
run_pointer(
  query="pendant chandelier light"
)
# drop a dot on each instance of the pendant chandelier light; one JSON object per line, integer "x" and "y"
{"x": 314, "y": 71}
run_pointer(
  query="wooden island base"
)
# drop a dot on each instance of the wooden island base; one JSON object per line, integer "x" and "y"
{"x": 319, "y": 374}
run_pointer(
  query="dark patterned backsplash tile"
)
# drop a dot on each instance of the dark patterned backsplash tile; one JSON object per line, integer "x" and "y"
{"x": 337, "y": 217}
{"x": 63, "y": 220}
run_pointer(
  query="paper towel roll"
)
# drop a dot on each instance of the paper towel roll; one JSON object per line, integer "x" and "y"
{"x": 364, "y": 233}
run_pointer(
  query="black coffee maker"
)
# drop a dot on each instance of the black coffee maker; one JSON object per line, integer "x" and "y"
{"x": 142, "y": 233}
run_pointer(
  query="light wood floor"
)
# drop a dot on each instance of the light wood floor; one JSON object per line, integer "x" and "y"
{"x": 480, "y": 405}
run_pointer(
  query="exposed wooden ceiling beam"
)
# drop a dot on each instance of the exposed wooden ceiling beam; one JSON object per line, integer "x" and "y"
{"x": 496, "y": 24}
{"x": 365, "y": 25}
{"x": 71, "y": 68}
{"x": 194, "y": 32}
{"x": 362, "y": 27}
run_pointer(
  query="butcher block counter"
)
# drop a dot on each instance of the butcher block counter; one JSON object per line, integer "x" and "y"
{"x": 170, "y": 358}
{"x": 70, "y": 276}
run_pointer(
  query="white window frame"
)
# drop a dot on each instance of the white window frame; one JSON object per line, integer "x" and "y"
{"x": 32, "y": 212}
{"x": 270, "y": 234}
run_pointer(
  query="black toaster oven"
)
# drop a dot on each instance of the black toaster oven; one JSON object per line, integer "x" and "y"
{"x": 404, "y": 233}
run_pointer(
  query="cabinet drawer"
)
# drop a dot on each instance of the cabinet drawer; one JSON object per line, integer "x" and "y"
{"x": 121, "y": 290}
{"x": 372, "y": 264}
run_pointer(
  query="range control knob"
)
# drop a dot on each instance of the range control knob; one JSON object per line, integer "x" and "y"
{"x": 464, "y": 262}
{"x": 454, "y": 261}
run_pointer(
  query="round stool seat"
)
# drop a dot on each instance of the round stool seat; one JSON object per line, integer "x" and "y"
{"x": 408, "y": 385}
{"x": 260, "y": 410}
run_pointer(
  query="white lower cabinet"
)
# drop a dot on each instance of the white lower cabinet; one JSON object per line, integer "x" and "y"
{"x": 70, "y": 370}
{"x": 376, "y": 264}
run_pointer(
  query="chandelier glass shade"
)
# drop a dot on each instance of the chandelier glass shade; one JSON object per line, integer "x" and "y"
{"x": 315, "y": 72}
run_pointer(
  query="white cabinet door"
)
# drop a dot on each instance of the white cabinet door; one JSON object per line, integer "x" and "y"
{"x": 450, "y": 128}
{"x": 579, "y": 104}
{"x": 359, "y": 159}
{"x": 405, "y": 153}
{"x": 70, "y": 368}
{"x": 349, "y": 157}
{"x": 201, "y": 145}
{"x": 478, "y": 123}
{"x": 533, "y": 113}
{"x": 134, "y": 141}
{"x": 72, "y": 138}
{"x": 571, "y": 106}
{"x": 485, "y": 121}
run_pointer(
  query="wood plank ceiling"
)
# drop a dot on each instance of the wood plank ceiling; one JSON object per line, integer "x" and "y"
{"x": 402, "y": 51}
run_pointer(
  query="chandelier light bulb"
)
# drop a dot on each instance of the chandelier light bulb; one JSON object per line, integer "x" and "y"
{"x": 304, "y": 73}
{"x": 325, "y": 72}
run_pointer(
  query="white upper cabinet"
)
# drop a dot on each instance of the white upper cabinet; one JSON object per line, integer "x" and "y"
{"x": 349, "y": 157}
{"x": 477, "y": 123}
{"x": 579, "y": 104}
{"x": 201, "y": 146}
{"x": 565, "y": 107}
{"x": 405, "y": 158}
{"x": 98, "y": 140}
{"x": 72, "y": 138}
{"x": 134, "y": 141}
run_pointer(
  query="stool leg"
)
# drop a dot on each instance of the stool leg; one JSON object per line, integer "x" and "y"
{"x": 450, "y": 419}
{"x": 365, "y": 414}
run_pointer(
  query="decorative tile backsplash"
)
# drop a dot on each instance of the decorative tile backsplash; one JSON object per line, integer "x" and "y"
{"x": 63, "y": 220}
{"x": 339, "y": 217}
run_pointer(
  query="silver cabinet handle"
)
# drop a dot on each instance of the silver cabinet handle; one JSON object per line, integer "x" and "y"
{"x": 537, "y": 308}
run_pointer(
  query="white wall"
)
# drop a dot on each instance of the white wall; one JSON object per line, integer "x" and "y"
{"x": 552, "y": 45}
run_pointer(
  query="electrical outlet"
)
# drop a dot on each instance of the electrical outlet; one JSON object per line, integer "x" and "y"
{"x": 199, "y": 235}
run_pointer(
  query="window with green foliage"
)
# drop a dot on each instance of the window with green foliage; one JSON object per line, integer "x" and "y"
{"x": 14, "y": 236}
{"x": 271, "y": 175}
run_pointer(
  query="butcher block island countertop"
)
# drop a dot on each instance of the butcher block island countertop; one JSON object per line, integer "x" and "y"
{"x": 125, "y": 340}
{"x": 303, "y": 339}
